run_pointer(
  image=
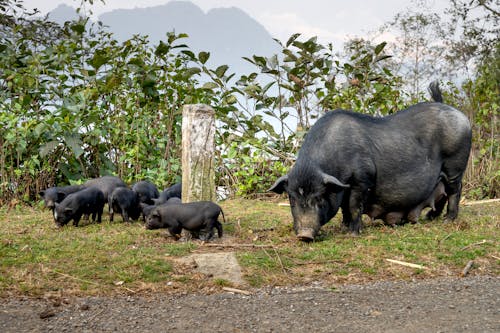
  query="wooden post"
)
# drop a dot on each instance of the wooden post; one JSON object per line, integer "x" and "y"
{"x": 198, "y": 147}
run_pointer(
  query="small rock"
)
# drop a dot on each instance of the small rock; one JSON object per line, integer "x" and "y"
{"x": 47, "y": 313}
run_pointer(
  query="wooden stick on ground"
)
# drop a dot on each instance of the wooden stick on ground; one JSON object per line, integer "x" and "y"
{"x": 474, "y": 244}
{"x": 240, "y": 245}
{"x": 467, "y": 268}
{"x": 86, "y": 281}
{"x": 238, "y": 291}
{"x": 406, "y": 264}
{"x": 480, "y": 202}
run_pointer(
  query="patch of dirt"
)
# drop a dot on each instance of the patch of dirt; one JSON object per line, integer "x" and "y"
{"x": 470, "y": 304}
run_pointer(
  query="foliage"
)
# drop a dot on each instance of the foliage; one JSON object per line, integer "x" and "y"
{"x": 482, "y": 102}
{"x": 417, "y": 48}
{"x": 75, "y": 103}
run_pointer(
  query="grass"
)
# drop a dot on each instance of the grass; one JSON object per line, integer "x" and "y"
{"x": 36, "y": 258}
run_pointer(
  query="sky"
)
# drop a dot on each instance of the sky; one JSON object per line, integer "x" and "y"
{"x": 332, "y": 21}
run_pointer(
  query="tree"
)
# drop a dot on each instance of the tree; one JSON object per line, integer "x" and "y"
{"x": 417, "y": 48}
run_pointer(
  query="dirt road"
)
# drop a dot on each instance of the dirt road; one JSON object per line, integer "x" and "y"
{"x": 445, "y": 305}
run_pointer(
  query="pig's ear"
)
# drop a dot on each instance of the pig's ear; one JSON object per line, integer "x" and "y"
{"x": 331, "y": 180}
{"x": 280, "y": 185}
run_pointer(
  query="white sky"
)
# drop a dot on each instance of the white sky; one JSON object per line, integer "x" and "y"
{"x": 330, "y": 20}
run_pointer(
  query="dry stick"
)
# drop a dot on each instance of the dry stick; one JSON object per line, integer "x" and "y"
{"x": 406, "y": 264}
{"x": 467, "y": 268}
{"x": 240, "y": 245}
{"x": 494, "y": 257}
{"x": 86, "y": 281}
{"x": 239, "y": 291}
{"x": 470, "y": 203}
{"x": 445, "y": 238}
{"x": 474, "y": 244}
{"x": 279, "y": 259}
{"x": 317, "y": 262}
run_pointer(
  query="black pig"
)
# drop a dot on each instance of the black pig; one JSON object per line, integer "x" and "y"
{"x": 147, "y": 209}
{"x": 147, "y": 191}
{"x": 87, "y": 201}
{"x": 125, "y": 202}
{"x": 197, "y": 217}
{"x": 171, "y": 192}
{"x": 54, "y": 195}
{"x": 106, "y": 184}
{"x": 359, "y": 163}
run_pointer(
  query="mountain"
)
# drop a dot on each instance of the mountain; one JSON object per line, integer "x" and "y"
{"x": 63, "y": 13}
{"x": 227, "y": 33}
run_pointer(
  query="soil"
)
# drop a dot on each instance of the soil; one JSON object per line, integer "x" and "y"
{"x": 470, "y": 304}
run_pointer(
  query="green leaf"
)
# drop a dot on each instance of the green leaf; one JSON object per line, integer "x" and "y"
{"x": 292, "y": 39}
{"x": 210, "y": 85}
{"x": 203, "y": 56}
{"x": 98, "y": 59}
{"x": 74, "y": 142}
{"x": 192, "y": 71}
{"x": 79, "y": 28}
{"x": 382, "y": 58}
{"x": 380, "y": 47}
{"x": 162, "y": 49}
{"x": 48, "y": 148}
{"x": 221, "y": 70}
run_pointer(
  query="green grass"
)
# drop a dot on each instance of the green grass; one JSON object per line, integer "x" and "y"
{"x": 37, "y": 258}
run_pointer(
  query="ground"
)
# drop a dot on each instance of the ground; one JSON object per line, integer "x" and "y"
{"x": 339, "y": 284}
{"x": 470, "y": 304}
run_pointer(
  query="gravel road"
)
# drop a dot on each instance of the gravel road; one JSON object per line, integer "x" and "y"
{"x": 469, "y": 304}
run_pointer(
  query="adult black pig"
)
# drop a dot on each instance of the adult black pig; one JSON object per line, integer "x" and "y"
{"x": 53, "y": 195}
{"x": 106, "y": 184}
{"x": 171, "y": 192}
{"x": 200, "y": 218}
{"x": 357, "y": 162}
{"x": 85, "y": 202}
{"x": 147, "y": 191}
{"x": 125, "y": 202}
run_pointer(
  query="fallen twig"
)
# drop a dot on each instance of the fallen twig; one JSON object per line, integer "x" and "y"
{"x": 479, "y": 202}
{"x": 474, "y": 244}
{"x": 238, "y": 291}
{"x": 279, "y": 260}
{"x": 445, "y": 238}
{"x": 240, "y": 245}
{"x": 318, "y": 262}
{"x": 86, "y": 281}
{"x": 467, "y": 268}
{"x": 406, "y": 264}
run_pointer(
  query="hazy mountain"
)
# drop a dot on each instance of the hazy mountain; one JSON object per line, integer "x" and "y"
{"x": 63, "y": 13}
{"x": 227, "y": 33}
